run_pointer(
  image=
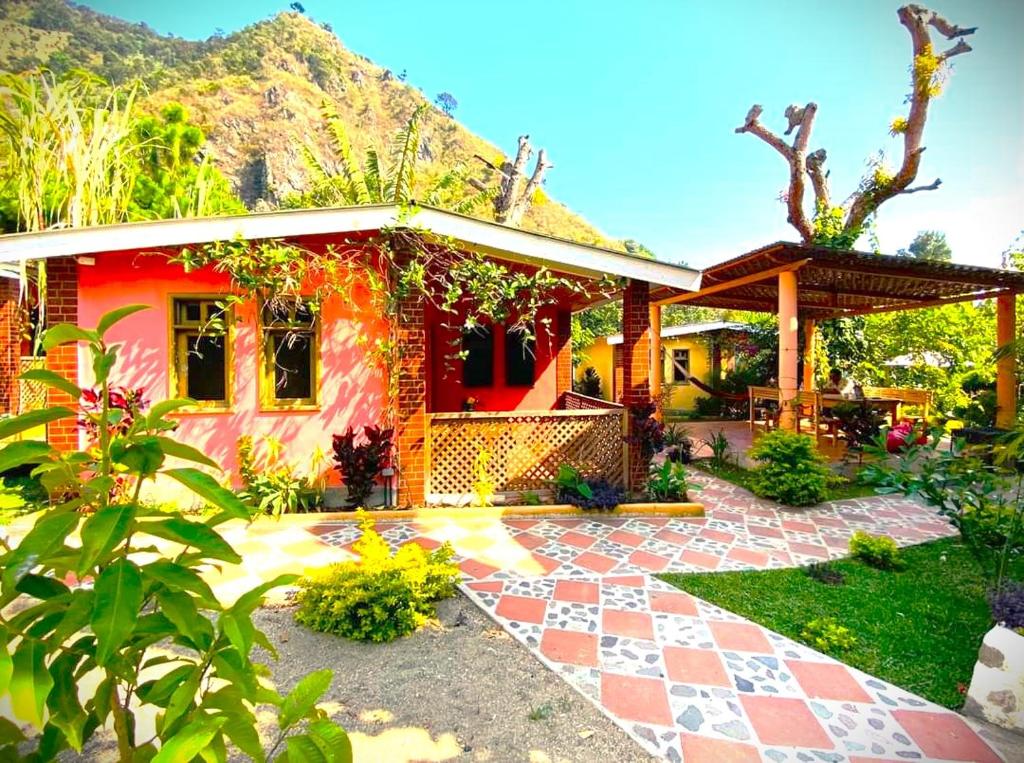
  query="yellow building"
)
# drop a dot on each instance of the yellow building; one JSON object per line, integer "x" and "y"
{"x": 699, "y": 350}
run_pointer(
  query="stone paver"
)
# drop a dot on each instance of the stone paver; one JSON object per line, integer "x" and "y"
{"x": 688, "y": 680}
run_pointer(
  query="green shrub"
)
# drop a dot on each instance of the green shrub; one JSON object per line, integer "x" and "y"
{"x": 826, "y": 635}
{"x": 791, "y": 470}
{"x": 667, "y": 482}
{"x": 382, "y": 596}
{"x": 878, "y": 551}
{"x": 146, "y": 605}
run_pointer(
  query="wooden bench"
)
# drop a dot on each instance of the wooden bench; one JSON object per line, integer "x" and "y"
{"x": 808, "y": 408}
{"x": 922, "y": 398}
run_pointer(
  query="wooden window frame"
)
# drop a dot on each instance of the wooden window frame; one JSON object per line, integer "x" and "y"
{"x": 672, "y": 358}
{"x": 177, "y": 383}
{"x": 267, "y": 380}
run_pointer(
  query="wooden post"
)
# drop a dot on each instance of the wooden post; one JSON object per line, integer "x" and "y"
{"x": 787, "y": 350}
{"x": 1006, "y": 382}
{"x": 810, "y": 346}
{"x": 657, "y": 367}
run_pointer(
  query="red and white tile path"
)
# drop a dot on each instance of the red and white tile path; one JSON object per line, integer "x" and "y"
{"x": 689, "y": 680}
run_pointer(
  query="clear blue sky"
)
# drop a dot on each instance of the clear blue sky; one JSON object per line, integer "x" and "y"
{"x": 637, "y": 103}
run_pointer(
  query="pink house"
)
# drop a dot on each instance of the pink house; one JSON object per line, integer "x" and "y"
{"x": 526, "y": 417}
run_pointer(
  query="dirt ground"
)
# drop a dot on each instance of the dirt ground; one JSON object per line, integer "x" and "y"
{"x": 461, "y": 691}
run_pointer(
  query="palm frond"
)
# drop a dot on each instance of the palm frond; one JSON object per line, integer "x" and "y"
{"x": 375, "y": 185}
{"x": 343, "y": 154}
{"x": 404, "y": 152}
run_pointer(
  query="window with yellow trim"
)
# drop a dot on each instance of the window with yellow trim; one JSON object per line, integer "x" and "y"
{"x": 201, "y": 351}
{"x": 291, "y": 355}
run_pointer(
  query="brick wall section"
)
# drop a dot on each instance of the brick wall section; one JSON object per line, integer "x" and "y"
{"x": 563, "y": 352}
{"x": 411, "y": 406}
{"x": 636, "y": 364}
{"x": 62, "y": 307}
{"x": 10, "y": 344}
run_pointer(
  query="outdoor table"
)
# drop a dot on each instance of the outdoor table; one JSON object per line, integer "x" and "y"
{"x": 890, "y": 404}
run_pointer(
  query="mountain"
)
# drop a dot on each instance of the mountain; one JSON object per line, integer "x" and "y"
{"x": 257, "y": 94}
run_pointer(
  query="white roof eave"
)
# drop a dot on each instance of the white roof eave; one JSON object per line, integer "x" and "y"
{"x": 488, "y": 238}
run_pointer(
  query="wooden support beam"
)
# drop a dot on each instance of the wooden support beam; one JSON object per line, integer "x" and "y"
{"x": 657, "y": 367}
{"x": 764, "y": 275}
{"x": 810, "y": 341}
{"x": 1006, "y": 366}
{"x": 788, "y": 350}
{"x": 987, "y": 294}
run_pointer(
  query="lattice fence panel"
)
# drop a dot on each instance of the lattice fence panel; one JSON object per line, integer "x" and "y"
{"x": 31, "y": 394}
{"x": 526, "y": 450}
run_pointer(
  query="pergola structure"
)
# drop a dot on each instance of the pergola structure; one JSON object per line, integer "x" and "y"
{"x": 811, "y": 284}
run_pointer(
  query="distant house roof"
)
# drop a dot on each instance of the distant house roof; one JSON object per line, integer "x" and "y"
{"x": 689, "y": 328}
{"x": 486, "y": 237}
{"x": 927, "y": 358}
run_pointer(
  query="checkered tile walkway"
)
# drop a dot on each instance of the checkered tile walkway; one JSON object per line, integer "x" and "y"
{"x": 687, "y": 680}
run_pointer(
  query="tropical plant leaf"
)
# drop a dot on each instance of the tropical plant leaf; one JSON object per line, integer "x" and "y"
{"x": 249, "y": 600}
{"x": 23, "y": 452}
{"x": 30, "y": 681}
{"x": 186, "y": 452}
{"x": 6, "y": 665}
{"x": 333, "y": 738}
{"x": 207, "y": 488}
{"x": 158, "y": 410}
{"x": 118, "y": 593}
{"x": 66, "y": 711}
{"x": 63, "y": 333}
{"x": 303, "y": 747}
{"x": 175, "y": 576}
{"x": 190, "y": 741}
{"x": 301, "y": 700}
{"x": 103, "y": 531}
{"x": 33, "y": 419}
{"x": 53, "y": 379}
{"x": 208, "y": 542}
{"x": 109, "y": 319}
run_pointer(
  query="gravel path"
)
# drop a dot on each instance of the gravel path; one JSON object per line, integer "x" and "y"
{"x": 463, "y": 690}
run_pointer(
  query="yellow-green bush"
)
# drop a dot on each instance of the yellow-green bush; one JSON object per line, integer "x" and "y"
{"x": 827, "y": 635}
{"x": 878, "y": 551}
{"x": 382, "y": 596}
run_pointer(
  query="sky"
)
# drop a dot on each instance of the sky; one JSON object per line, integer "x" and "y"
{"x": 637, "y": 103}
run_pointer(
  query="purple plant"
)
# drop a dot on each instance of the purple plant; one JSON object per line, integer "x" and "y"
{"x": 1008, "y": 605}
{"x": 646, "y": 431}
{"x": 360, "y": 464}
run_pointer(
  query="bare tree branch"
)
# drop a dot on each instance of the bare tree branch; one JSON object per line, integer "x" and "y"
{"x": 801, "y": 119}
{"x": 930, "y": 187}
{"x": 916, "y": 19}
{"x": 512, "y": 200}
{"x": 819, "y": 177}
{"x": 522, "y": 204}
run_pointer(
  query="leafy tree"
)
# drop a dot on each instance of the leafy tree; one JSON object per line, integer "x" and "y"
{"x": 381, "y": 178}
{"x": 297, "y": 7}
{"x": 174, "y": 181}
{"x": 928, "y": 245}
{"x": 445, "y": 100}
{"x": 841, "y": 225}
{"x": 74, "y": 153}
{"x": 204, "y": 688}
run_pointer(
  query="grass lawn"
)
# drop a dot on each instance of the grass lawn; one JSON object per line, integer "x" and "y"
{"x": 743, "y": 477}
{"x": 919, "y": 628}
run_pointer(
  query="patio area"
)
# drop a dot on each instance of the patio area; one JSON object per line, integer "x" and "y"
{"x": 687, "y": 680}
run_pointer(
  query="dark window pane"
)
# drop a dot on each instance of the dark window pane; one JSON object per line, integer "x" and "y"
{"x": 189, "y": 311}
{"x": 519, "y": 359}
{"x": 478, "y": 367}
{"x": 680, "y": 366}
{"x": 293, "y": 365}
{"x": 205, "y": 367}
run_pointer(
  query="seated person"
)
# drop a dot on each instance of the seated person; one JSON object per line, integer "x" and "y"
{"x": 838, "y": 384}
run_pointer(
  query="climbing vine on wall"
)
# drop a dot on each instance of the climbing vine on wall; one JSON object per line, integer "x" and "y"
{"x": 398, "y": 264}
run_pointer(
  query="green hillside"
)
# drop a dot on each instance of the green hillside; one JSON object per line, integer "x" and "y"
{"x": 257, "y": 94}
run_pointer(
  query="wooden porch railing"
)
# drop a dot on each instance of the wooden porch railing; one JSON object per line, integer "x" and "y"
{"x": 525, "y": 447}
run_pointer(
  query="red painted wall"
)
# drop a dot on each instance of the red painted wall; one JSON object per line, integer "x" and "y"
{"x": 448, "y": 393}
{"x": 351, "y": 390}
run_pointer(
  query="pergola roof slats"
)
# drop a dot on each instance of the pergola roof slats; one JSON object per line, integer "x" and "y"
{"x": 834, "y": 283}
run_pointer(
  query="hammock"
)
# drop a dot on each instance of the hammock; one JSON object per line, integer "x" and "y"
{"x": 734, "y": 396}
